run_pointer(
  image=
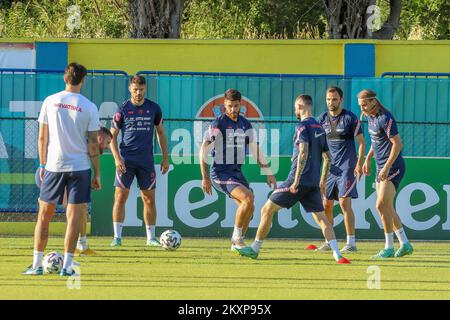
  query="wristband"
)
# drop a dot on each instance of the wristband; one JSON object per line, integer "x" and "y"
{"x": 42, "y": 166}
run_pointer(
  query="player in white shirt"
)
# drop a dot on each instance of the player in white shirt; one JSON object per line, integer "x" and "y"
{"x": 68, "y": 128}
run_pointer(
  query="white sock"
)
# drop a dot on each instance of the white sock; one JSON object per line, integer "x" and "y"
{"x": 351, "y": 240}
{"x": 256, "y": 245}
{"x": 334, "y": 246}
{"x": 37, "y": 259}
{"x": 237, "y": 233}
{"x": 389, "y": 240}
{"x": 401, "y": 236}
{"x": 117, "y": 229}
{"x": 151, "y": 233}
{"x": 82, "y": 243}
{"x": 68, "y": 258}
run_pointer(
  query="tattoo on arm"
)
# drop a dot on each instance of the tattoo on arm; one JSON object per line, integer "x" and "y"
{"x": 303, "y": 151}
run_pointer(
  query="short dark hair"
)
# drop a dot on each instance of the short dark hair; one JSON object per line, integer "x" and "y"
{"x": 336, "y": 89}
{"x": 137, "y": 79}
{"x": 232, "y": 95}
{"x": 305, "y": 98}
{"x": 74, "y": 73}
{"x": 106, "y": 131}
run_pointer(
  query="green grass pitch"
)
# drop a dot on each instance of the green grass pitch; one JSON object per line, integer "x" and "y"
{"x": 206, "y": 269}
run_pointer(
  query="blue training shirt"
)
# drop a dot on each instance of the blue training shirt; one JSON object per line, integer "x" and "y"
{"x": 137, "y": 124}
{"x": 231, "y": 139}
{"x": 341, "y": 131}
{"x": 383, "y": 127}
{"x": 311, "y": 132}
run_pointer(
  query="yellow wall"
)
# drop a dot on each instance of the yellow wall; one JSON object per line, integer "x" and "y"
{"x": 410, "y": 56}
{"x": 259, "y": 56}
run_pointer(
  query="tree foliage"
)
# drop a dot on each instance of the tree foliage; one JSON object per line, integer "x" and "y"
{"x": 48, "y": 18}
{"x": 211, "y": 19}
{"x": 253, "y": 19}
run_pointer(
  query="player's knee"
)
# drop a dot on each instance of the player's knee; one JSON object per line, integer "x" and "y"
{"x": 120, "y": 197}
{"x": 45, "y": 217}
{"x": 265, "y": 211}
{"x": 249, "y": 199}
{"x": 328, "y": 205}
{"x": 148, "y": 201}
{"x": 382, "y": 206}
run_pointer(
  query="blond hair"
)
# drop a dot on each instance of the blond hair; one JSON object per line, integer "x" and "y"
{"x": 368, "y": 94}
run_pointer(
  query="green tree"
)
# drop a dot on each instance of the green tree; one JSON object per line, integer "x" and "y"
{"x": 48, "y": 18}
{"x": 252, "y": 19}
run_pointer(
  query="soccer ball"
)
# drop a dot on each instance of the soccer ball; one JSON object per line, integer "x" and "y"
{"x": 170, "y": 240}
{"x": 53, "y": 262}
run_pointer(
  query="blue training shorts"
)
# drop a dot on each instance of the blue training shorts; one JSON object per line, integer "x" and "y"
{"x": 226, "y": 182}
{"x": 395, "y": 175}
{"x": 77, "y": 184}
{"x": 341, "y": 185}
{"x": 309, "y": 197}
{"x": 146, "y": 177}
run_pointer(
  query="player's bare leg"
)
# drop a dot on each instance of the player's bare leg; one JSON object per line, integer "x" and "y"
{"x": 328, "y": 232}
{"x": 74, "y": 215}
{"x": 148, "y": 200}
{"x": 82, "y": 246}
{"x": 349, "y": 221}
{"x": 384, "y": 205}
{"x": 244, "y": 212}
{"x": 246, "y": 222}
{"x": 118, "y": 214}
{"x": 328, "y": 206}
{"x": 41, "y": 231}
{"x": 267, "y": 213}
{"x": 389, "y": 191}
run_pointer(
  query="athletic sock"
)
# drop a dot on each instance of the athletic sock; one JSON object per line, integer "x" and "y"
{"x": 68, "y": 258}
{"x": 151, "y": 233}
{"x": 82, "y": 243}
{"x": 389, "y": 240}
{"x": 37, "y": 259}
{"x": 237, "y": 233}
{"x": 351, "y": 241}
{"x": 117, "y": 229}
{"x": 256, "y": 245}
{"x": 334, "y": 246}
{"x": 401, "y": 236}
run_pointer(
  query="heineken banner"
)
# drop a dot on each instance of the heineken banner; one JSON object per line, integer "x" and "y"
{"x": 423, "y": 203}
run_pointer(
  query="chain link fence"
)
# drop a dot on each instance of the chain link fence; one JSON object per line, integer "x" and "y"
{"x": 190, "y": 102}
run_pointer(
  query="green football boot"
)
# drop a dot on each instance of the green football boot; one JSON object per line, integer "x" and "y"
{"x": 247, "y": 252}
{"x": 33, "y": 272}
{"x": 117, "y": 242}
{"x": 404, "y": 250}
{"x": 385, "y": 254}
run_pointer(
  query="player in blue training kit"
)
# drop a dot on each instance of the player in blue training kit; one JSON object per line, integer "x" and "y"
{"x": 304, "y": 182}
{"x": 137, "y": 118}
{"x": 386, "y": 147}
{"x": 229, "y": 138}
{"x": 342, "y": 127}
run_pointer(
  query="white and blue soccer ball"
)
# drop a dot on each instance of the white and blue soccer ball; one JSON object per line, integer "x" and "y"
{"x": 170, "y": 240}
{"x": 53, "y": 262}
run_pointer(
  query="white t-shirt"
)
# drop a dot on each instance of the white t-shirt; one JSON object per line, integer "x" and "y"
{"x": 69, "y": 117}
